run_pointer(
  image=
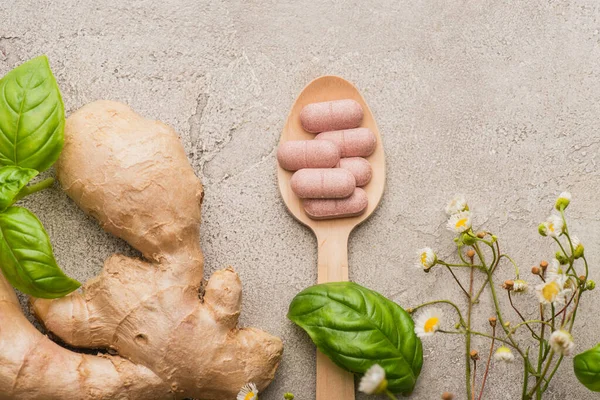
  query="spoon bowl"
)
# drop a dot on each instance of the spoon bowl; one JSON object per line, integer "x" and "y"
{"x": 333, "y": 383}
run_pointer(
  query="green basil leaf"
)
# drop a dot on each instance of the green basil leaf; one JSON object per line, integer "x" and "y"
{"x": 12, "y": 180}
{"x": 587, "y": 368}
{"x": 32, "y": 116}
{"x": 26, "y": 257}
{"x": 357, "y": 327}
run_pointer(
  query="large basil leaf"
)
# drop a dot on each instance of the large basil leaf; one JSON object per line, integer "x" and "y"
{"x": 357, "y": 327}
{"x": 587, "y": 368}
{"x": 12, "y": 180}
{"x": 32, "y": 116}
{"x": 26, "y": 257}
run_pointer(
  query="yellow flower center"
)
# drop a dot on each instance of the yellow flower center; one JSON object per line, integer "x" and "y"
{"x": 461, "y": 223}
{"x": 550, "y": 291}
{"x": 551, "y": 227}
{"x": 250, "y": 396}
{"x": 424, "y": 259}
{"x": 431, "y": 324}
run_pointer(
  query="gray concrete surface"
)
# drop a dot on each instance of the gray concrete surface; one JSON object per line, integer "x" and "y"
{"x": 499, "y": 100}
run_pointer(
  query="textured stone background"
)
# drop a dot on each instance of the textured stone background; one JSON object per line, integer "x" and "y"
{"x": 499, "y": 100}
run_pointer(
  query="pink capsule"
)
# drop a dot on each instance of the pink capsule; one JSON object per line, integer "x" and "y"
{"x": 351, "y": 206}
{"x": 359, "y": 142}
{"x": 331, "y": 115}
{"x": 298, "y": 154}
{"x": 359, "y": 167}
{"x": 322, "y": 183}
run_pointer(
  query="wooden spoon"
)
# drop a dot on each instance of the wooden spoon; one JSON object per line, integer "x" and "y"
{"x": 333, "y": 383}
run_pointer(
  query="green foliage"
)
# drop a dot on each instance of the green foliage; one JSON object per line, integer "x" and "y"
{"x": 12, "y": 180}
{"x": 587, "y": 368}
{"x": 357, "y": 327}
{"x": 26, "y": 256}
{"x": 32, "y": 121}
{"x": 32, "y": 116}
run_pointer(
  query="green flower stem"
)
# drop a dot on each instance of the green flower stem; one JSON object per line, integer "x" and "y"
{"x": 452, "y": 265}
{"x": 536, "y": 388}
{"x": 586, "y": 267}
{"x": 390, "y": 395}
{"x": 561, "y": 246}
{"x": 505, "y": 341}
{"x": 36, "y": 187}
{"x": 462, "y": 321}
{"x": 562, "y": 214}
{"x": 513, "y": 263}
{"x": 525, "y": 376}
{"x": 468, "y": 335}
{"x": 501, "y": 320}
{"x": 541, "y": 355}
{"x": 552, "y": 373}
{"x": 531, "y": 321}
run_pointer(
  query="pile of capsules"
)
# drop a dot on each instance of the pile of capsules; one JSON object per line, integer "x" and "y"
{"x": 330, "y": 170}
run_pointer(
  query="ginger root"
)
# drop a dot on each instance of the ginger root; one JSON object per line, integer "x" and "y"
{"x": 133, "y": 176}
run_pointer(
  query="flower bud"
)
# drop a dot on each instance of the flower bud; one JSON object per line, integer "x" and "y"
{"x": 447, "y": 396}
{"x": 535, "y": 270}
{"x": 563, "y": 201}
{"x": 288, "y": 396}
{"x": 507, "y": 324}
{"x": 457, "y": 326}
{"x": 561, "y": 258}
{"x": 474, "y": 355}
{"x": 590, "y": 285}
{"x": 578, "y": 251}
{"x": 508, "y": 285}
{"x": 470, "y": 253}
{"x": 481, "y": 235}
{"x": 468, "y": 239}
{"x": 493, "y": 321}
{"x": 543, "y": 265}
{"x": 542, "y": 229}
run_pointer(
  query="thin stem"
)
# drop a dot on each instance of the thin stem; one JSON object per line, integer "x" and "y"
{"x": 513, "y": 263}
{"x": 521, "y": 315}
{"x": 489, "y": 360}
{"x": 462, "y": 321}
{"x": 530, "y": 321}
{"x": 470, "y": 393}
{"x": 540, "y": 379}
{"x": 474, "y": 376}
{"x": 506, "y": 342}
{"x": 390, "y": 395}
{"x": 459, "y": 284}
{"x": 525, "y": 377}
{"x": 501, "y": 320}
{"x": 36, "y": 187}
{"x": 552, "y": 373}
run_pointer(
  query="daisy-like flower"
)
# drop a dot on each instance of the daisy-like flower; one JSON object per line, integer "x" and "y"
{"x": 248, "y": 392}
{"x": 552, "y": 291}
{"x": 456, "y": 205}
{"x": 460, "y": 222}
{"x": 520, "y": 286}
{"x": 427, "y": 258}
{"x": 553, "y": 226}
{"x": 373, "y": 381}
{"x": 428, "y": 322}
{"x": 577, "y": 247}
{"x": 562, "y": 342}
{"x": 504, "y": 354}
{"x": 563, "y": 201}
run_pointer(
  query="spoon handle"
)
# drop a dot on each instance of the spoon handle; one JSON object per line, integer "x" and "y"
{"x": 333, "y": 383}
